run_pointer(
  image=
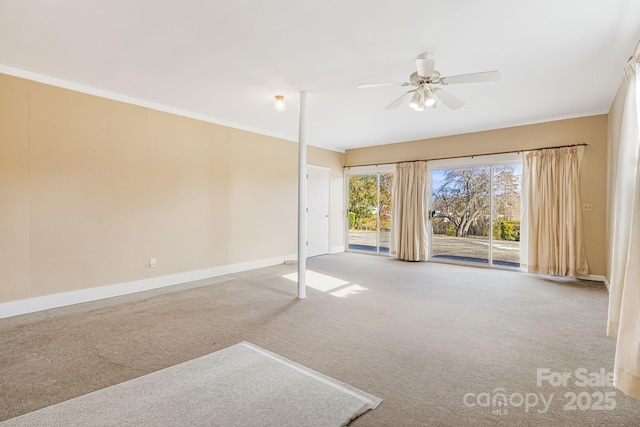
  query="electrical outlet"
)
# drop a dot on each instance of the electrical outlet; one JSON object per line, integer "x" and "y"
{"x": 152, "y": 263}
{"x": 587, "y": 207}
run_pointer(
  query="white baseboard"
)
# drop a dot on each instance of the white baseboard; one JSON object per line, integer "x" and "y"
{"x": 336, "y": 249}
{"x": 596, "y": 278}
{"x": 599, "y": 278}
{"x": 31, "y": 305}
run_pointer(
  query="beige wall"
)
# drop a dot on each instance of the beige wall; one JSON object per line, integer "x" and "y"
{"x": 590, "y": 130}
{"x": 90, "y": 189}
{"x": 14, "y": 189}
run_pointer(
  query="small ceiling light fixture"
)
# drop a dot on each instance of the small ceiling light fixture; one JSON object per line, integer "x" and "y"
{"x": 280, "y": 105}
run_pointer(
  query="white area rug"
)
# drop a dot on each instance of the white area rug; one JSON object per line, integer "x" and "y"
{"x": 242, "y": 385}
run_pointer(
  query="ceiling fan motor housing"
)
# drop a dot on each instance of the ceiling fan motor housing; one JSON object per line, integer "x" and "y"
{"x": 417, "y": 80}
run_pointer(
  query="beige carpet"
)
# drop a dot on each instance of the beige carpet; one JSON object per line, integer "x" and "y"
{"x": 422, "y": 336}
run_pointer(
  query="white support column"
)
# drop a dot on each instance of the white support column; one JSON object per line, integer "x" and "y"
{"x": 302, "y": 200}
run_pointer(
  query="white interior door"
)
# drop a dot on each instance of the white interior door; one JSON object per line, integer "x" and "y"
{"x": 318, "y": 183}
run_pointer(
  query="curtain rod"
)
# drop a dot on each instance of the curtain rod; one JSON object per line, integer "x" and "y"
{"x": 471, "y": 156}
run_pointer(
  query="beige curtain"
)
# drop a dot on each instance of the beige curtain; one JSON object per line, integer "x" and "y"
{"x": 551, "y": 200}
{"x": 409, "y": 212}
{"x": 624, "y": 298}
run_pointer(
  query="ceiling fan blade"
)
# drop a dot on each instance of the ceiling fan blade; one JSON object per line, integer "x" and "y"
{"x": 448, "y": 99}
{"x": 424, "y": 65}
{"x": 381, "y": 84}
{"x": 402, "y": 98}
{"x": 486, "y": 76}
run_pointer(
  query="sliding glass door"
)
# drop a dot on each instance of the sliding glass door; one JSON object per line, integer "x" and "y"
{"x": 461, "y": 199}
{"x": 475, "y": 211}
{"x": 369, "y": 211}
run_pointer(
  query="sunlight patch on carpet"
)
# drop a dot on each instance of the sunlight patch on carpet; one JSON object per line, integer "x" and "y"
{"x": 322, "y": 282}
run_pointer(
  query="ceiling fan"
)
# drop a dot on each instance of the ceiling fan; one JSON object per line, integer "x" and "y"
{"x": 427, "y": 82}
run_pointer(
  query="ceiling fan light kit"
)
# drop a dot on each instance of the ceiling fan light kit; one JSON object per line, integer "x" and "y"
{"x": 423, "y": 98}
{"x": 428, "y": 81}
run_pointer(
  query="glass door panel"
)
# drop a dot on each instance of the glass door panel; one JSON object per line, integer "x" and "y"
{"x": 505, "y": 248}
{"x": 363, "y": 219}
{"x": 386, "y": 182}
{"x": 461, "y": 214}
{"x": 369, "y": 216}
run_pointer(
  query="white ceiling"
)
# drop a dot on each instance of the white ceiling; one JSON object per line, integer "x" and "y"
{"x": 225, "y": 59}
